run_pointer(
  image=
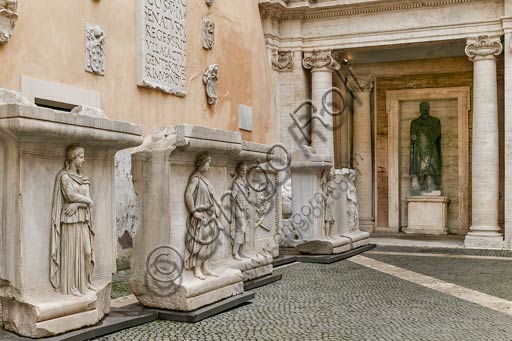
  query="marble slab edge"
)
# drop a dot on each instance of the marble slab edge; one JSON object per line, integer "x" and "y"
{"x": 259, "y": 282}
{"x": 321, "y": 259}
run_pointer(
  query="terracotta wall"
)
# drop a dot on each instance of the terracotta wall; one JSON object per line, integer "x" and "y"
{"x": 48, "y": 44}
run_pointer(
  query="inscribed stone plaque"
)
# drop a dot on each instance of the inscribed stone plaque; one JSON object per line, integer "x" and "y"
{"x": 162, "y": 45}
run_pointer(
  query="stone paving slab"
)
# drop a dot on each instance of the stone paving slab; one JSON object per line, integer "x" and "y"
{"x": 339, "y": 301}
{"x": 491, "y": 277}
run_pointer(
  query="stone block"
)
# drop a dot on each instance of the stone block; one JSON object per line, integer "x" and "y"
{"x": 428, "y": 214}
{"x": 41, "y": 179}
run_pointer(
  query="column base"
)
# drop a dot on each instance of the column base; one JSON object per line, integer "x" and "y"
{"x": 483, "y": 242}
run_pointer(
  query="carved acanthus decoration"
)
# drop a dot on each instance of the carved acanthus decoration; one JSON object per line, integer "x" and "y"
{"x": 483, "y": 47}
{"x": 319, "y": 60}
{"x": 8, "y": 19}
{"x": 282, "y": 60}
{"x": 210, "y": 77}
{"x": 94, "y": 49}
{"x": 208, "y": 33}
{"x": 360, "y": 83}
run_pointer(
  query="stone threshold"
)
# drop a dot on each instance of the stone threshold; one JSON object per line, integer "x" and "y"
{"x": 135, "y": 314}
{"x": 321, "y": 259}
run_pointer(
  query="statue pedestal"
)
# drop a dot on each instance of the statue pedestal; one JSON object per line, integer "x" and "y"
{"x": 33, "y": 144}
{"x": 162, "y": 169}
{"x": 427, "y": 214}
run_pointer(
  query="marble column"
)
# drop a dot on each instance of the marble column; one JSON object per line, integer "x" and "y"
{"x": 321, "y": 64}
{"x": 507, "y": 26}
{"x": 484, "y": 231}
{"x": 362, "y": 148}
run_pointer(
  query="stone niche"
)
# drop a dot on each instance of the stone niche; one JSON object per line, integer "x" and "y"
{"x": 33, "y": 145}
{"x": 325, "y": 214}
{"x": 162, "y": 170}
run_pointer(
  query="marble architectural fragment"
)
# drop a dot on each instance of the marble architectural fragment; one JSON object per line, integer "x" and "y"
{"x": 60, "y": 245}
{"x": 199, "y": 213}
{"x": 94, "y": 49}
{"x": 282, "y": 60}
{"x": 210, "y": 78}
{"x": 8, "y": 17}
{"x": 209, "y": 2}
{"x": 208, "y": 33}
{"x": 348, "y": 209}
{"x": 162, "y": 46}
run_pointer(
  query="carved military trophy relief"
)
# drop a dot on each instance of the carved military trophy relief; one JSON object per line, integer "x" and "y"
{"x": 210, "y": 77}
{"x": 202, "y": 225}
{"x": 425, "y": 158}
{"x": 72, "y": 231}
{"x": 353, "y": 211}
{"x": 240, "y": 192}
{"x": 8, "y": 17}
{"x": 328, "y": 187}
{"x": 208, "y": 33}
{"x": 95, "y": 49}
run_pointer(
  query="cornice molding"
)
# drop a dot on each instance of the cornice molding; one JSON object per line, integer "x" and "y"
{"x": 277, "y": 11}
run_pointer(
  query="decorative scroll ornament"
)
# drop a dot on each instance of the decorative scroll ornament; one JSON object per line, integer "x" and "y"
{"x": 319, "y": 60}
{"x": 360, "y": 84}
{"x": 282, "y": 60}
{"x": 210, "y": 77}
{"x": 95, "y": 49}
{"x": 483, "y": 47}
{"x": 8, "y": 19}
{"x": 208, "y": 33}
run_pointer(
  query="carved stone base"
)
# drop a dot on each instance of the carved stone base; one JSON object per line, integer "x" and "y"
{"x": 256, "y": 265}
{"x": 427, "y": 215}
{"x": 483, "y": 242}
{"x": 324, "y": 246}
{"x": 52, "y": 314}
{"x": 189, "y": 292}
{"x": 357, "y": 238}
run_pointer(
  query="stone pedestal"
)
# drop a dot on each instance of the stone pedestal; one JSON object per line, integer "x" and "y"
{"x": 163, "y": 169}
{"x": 33, "y": 143}
{"x": 308, "y": 207}
{"x": 347, "y": 208}
{"x": 427, "y": 215}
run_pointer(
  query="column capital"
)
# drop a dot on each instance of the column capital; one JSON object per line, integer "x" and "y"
{"x": 360, "y": 83}
{"x": 483, "y": 47}
{"x": 320, "y": 60}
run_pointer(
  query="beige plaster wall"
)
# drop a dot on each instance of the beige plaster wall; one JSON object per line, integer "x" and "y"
{"x": 48, "y": 44}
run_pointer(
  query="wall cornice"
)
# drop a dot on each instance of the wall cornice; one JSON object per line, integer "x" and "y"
{"x": 280, "y": 11}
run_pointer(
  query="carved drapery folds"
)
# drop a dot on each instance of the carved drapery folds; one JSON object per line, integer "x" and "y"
{"x": 320, "y": 60}
{"x": 208, "y": 33}
{"x": 483, "y": 47}
{"x": 8, "y": 17}
{"x": 282, "y": 60}
{"x": 210, "y": 77}
{"x": 94, "y": 49}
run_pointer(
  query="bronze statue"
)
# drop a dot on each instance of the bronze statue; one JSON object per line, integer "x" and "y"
{"x": 425, "y": 159}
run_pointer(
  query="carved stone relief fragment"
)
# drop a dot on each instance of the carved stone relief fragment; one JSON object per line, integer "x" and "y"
{"x": 210, "y": 77}
{"x": 94, "y": 49}
{"x": 8, "y": 17}
{"x": 208, "y": 33}
{"x": 282, "y": 60}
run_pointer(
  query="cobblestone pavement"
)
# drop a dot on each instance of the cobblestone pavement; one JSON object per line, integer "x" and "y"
{"x": 342, "y": 301}
{"x": 492, "y": 277}
{"x": 448, "y": 251}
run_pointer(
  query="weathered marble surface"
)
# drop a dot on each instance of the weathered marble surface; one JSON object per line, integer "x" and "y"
{"x": 161, "y": 169}
{"x": 427, "y": 215}
{"x": 33, "y": 142}
{"x": 161, "y": 39}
